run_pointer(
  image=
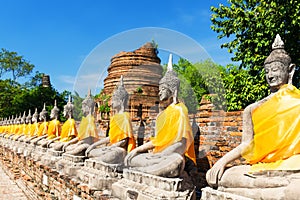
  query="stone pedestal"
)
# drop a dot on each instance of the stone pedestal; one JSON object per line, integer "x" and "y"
{"x": 99, "y": 175}
{"x": 38, "y": 153}
{"x": 70, "y": 164}
{"x": 29, "y": 148}
{"x": 211, "y": 194}
{"x": 142, "y": 186}
{"x": 51, "y": 157}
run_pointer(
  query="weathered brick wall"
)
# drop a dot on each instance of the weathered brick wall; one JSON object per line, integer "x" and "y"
{"x": 220, "y": 131}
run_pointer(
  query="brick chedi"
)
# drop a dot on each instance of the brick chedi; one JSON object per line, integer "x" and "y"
{"x": 142, "y": 71}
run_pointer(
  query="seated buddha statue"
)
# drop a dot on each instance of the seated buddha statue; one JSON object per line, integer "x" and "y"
{"x": 68, "y": 131}
{"x": 22, "y": 127}
{"x": 27, "y": 129}
{"x": 43, "y": 127}
{"x": 87, "y": 133}
{"x": 270, "y": 139}
{"x": 120, "y": 140}
{"x": 173, "y": 141}
{"x": 53, "y": 127}
{"x": 34, "y": 128}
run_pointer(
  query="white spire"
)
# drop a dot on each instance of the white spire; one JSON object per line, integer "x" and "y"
{"x": 170, "y": 63}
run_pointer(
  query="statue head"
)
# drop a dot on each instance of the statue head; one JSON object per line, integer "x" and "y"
{"x": 54, "y": 111}
{"x": 29, "y": 117}
{"x": 23, "y": 119}
{"x": 88, "y": 104}
{"x": 16, "y": 120}
{"x": 120, "y": 97}
{"x": 278, "y": 66}
{"x": 68, "y": 109}
{"x": 43, "y": 114}
{"x": 35, "y": 116}
{"x": 169, "y": 84}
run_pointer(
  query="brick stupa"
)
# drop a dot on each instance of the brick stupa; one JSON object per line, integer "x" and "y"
{"x": 142, "y": 71}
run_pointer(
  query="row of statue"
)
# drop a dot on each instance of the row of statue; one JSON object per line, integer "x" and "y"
{"x": 270, "y": 141}
{"x": 120, "y": 145}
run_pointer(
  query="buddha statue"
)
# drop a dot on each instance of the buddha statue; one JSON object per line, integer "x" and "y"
{"x": 34, "y": 128}
{"x": 22, "y": 127}
{"x": 27, "y": 129}
{"x": 173, "y": 142}
{"x": 53, "y": 131}
{"x": 87, "y": 133}
{"x": 43, "y": 127}
{"x": 270, "y": 139}
{"x": 120, "y": 140}
{"x": 68, "y": 131}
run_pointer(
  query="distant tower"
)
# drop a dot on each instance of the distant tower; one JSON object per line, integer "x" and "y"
{"x": 46, "y": 80}
{"x": 142, "y": 71}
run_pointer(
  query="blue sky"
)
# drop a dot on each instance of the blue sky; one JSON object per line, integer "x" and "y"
{"x": 63, "y": 38}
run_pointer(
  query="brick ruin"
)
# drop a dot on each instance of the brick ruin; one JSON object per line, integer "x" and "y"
{"x": 142, "y": 71}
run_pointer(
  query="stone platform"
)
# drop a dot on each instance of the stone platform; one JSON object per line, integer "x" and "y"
{"x": 142, "y": 186}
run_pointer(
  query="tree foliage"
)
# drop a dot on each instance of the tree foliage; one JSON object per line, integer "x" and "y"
{"x": 15, "y": 98}
{"x": 252, "y": 25}
{"x": 230, "y": 88}
{"x": 11, "y": 62}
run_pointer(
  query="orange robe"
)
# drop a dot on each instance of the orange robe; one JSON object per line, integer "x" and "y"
{"x": 34, "y": 129}
{"x": 68, "y": 130}
{"x": 171, "y": 126}
{"x": 43, "y": 129}
{"x": 87, "y": 128}
{"x": 53, "y": 129}
{"x": 276, "y": 142}
{"x": 120, "y": 128}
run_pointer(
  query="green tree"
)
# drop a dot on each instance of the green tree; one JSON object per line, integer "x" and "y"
{"x": 252, "y": 26}
{"x": 77, "y": 100}
{"x": 15, "y": 98}
{"x": 11, "y": 62}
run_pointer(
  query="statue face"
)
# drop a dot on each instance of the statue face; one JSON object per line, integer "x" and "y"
{"x": 164, "y": 93}
{"x": 85, "y": 109}
{"x": 276, "y": 74}
{"x": 53, "y": 114}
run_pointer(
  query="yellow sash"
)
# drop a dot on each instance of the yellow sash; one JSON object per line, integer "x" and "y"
{"x": 68, "y": 130}
{"x": 120, "y": 128}
{"x": 171, "y": 126}
{"x": 276, "y": 132}
{"x": 87, "y": 128}
{"x": 43, "y": 129}
{"x": 53, "y": 129}
{"x": 34, "y": 129}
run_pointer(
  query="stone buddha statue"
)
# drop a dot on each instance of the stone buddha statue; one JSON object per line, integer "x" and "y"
{"x": 53, "y": 131}
{"x": 68, "y": 131}
{"x": 34, "y": 128}
{"x": 87, "y": 133}
{"x": 43, "y": 127}
{"x": 54, "y": 125}
{"x": 173, "y": 141}
{"x": 120, "y": 138}
{"x": 22, "y": 127}
{"x": 270, "y": 141}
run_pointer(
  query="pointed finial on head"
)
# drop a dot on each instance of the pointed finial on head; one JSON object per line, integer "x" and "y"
{"x": 278, "y": 43}
{"x": 89, "y": 92}
{"x": 121, "y": 81}
{"x": 55, "y": 103}
{"x": 44, "y": 108}
{"x": 170, "y": 63}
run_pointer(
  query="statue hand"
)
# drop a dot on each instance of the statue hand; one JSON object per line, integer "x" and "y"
{"x": 213, "y": 176}
{"x": 90, "y": 148}
{"x": 129, "y": 156}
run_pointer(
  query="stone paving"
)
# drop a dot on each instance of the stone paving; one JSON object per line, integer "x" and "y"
{"x": 9, "y": 190}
